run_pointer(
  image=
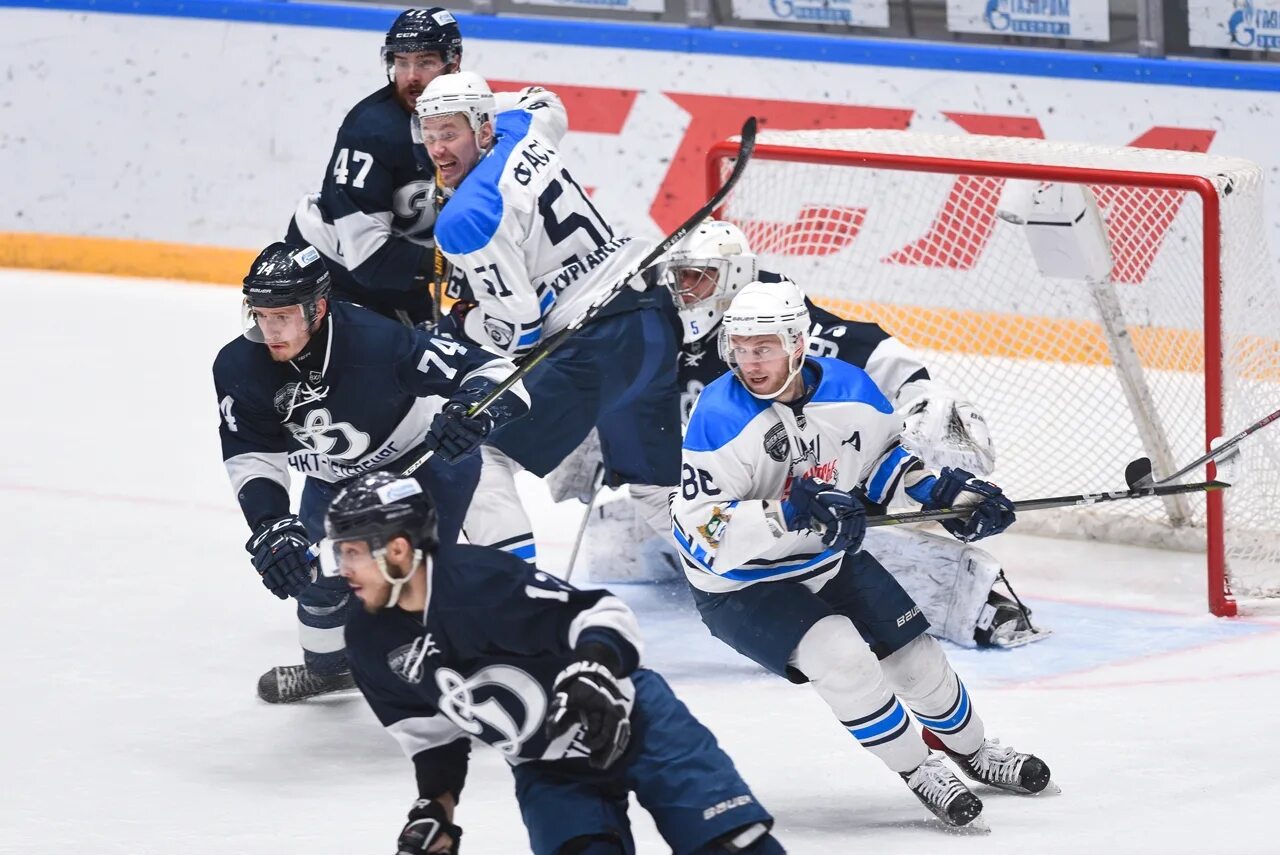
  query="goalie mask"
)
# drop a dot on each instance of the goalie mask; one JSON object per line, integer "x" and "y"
{"x": 375, "y": 508}
{"x": 703, "y": 272}
{"x": 764, "y": 331}
{"x": 462, "y": 92}
{"x": 423, "y": 31}
{"x": 284, "y": 275}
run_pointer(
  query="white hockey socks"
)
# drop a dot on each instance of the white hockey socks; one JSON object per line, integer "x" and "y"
{"x": 496, "y": 518}
{"x": 922, "y": 676}
{"x": 847, "y": 676}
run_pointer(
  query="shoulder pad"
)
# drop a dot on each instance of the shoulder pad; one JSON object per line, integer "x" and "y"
{"x": 723, "y": 410}
{"x": 844, "y": 382}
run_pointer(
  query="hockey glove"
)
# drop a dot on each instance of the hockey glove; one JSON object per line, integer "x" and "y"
{"x": 588, "y": 694}
{"x": 839, "y": 516}
{"x": 956, "y": 488}
{"x": 428, "y": 830}
{"x": 279, "y": 549}
{"x": 454, "y": 434}
{"x": 451, "y": 323}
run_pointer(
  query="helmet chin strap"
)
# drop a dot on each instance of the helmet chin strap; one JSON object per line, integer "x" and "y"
{"x": 380, "y": 556}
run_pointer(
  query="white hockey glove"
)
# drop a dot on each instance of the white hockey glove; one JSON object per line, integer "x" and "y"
{"x": 946, "y": 432}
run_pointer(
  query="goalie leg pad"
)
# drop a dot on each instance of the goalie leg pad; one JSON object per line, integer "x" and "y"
{"x": 949, "y": 580}
{"x": 922, "y": 676}
{"x": 847, "y": 675}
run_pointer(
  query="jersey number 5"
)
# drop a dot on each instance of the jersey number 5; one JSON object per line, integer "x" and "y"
{"x": 561, "y": 229}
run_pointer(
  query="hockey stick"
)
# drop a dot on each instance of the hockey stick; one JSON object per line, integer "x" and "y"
{"x": 746, "y": 146}
{"x": 1138, "y": 473}
{"x": 1053, "y": 502}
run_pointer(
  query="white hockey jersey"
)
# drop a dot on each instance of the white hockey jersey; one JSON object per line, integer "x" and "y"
{"x": 741, "y": 455}
{"x": 528, "y": 239}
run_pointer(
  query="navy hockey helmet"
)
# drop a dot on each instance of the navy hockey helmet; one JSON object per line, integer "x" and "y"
{"x": 418, "y": 30}
{"x": 286, "y": 274}
{"x": 379, "y": 506}
{"x": 283, "y": 275}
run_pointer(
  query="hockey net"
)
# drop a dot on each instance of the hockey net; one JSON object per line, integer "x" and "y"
{"x": 905, "y": 229}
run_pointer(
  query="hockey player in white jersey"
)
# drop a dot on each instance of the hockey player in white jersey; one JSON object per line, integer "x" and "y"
{"x": 529, "y": 245}
{"x": 782, "y": 458}
{"x": 953, "y": 583}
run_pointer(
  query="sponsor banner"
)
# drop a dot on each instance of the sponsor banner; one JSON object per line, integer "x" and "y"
{"x": 1085, "y": 20}
{"x": 225, "y": 166}
{"x": 1235, "y": 24}
{"x": 853, "y": 13}
{"x": 658, "y": 6}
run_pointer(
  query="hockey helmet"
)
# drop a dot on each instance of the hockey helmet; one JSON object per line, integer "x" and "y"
{"x": 418, "y": 30}
{"x": 767, "y": 308}
{"x": 375, "y": 508}
{"x": 703, "y": 272}
{"x": 285, "y": 274}
{"x": 461, "y": 92}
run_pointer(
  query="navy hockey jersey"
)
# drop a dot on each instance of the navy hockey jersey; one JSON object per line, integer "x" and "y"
{"x": 481, "y": 662}
{"x": 359, "y": 397}
{"x": 889, "y": 362}
{"x": 373, "y": 217}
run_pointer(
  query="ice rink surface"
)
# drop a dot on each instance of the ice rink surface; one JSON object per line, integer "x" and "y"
{"x": 135, "y": 631}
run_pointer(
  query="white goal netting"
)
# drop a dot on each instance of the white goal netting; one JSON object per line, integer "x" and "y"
{"x": 903, "y": 229}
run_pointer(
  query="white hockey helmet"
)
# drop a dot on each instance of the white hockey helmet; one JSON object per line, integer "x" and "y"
{"x": 703, "y": 271}
{"x": 767, "y": 308}
{"x": 462, "y": 92}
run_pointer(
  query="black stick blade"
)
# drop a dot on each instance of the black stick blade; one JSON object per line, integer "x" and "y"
{"x": 1138, "y": 473}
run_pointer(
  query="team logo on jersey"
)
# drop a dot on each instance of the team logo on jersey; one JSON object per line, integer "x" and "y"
{"x": 713, "y": 528}
{"x": 806, "y": 450}
{"x": 502, "y": 705}
{"x": 776, "y": 443}
{"x": 320, "y": 434}
{"x": 413, "y": 202}
{"x": 406, "y": 660}
{"x": 500, "y": 331}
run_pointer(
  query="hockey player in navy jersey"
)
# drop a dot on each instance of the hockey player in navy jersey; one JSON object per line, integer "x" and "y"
{"x": 952, "y": 582}
{"x": 466, "y": 643}
{"x": 782, "y": 459}
{"x": 534, "y": 252}
{"x": 372, "y": 219}
{"x": 333, "y": 390}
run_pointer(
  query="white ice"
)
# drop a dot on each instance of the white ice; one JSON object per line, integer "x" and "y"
{"x": 135, "y": 630}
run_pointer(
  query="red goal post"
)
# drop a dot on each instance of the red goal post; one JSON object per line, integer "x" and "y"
{"x": 911, "y": 231}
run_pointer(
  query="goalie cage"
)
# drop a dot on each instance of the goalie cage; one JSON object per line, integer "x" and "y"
{"x": 906, "y": 229}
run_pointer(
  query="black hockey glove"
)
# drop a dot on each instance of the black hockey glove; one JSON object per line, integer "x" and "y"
{"x": 992, "y": 512}
{"x": 427, "y": 829}
{"x": 279, "y": 549}
{"x": 839, "y": 516}
{"x": 452, "y": 323}
{"x": 454, "y": 434}
{"x": 588, "y": 694}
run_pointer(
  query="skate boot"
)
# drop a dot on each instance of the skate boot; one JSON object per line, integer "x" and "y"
{"x": 944, "y": 794}
{"x": 285, "y": 684}
{"x": 1000, "y": 766}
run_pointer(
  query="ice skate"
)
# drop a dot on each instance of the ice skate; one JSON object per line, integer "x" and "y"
{"x": 1006, "y": 623}
{"x": 286, "y": 684}
{"x": 945, "y": 795}
{"x": 1000, "y": 766}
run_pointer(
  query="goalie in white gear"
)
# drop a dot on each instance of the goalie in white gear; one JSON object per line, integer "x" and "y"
{"x": 781, "y": 460}
{"x": 952, "y": 582}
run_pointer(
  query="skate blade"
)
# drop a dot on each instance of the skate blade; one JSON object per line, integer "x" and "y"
{"x": 977, "y": 827}
{"x": 1022, "y": 639}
